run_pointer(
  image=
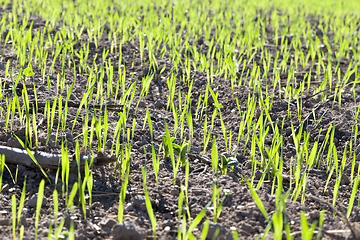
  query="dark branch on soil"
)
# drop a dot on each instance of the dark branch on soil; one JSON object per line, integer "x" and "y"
{"x": 50, "y": 161}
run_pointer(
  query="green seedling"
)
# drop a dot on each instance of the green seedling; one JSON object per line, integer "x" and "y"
{"x": 166, "y": 146}
{"x": 148, "y": 203}
{"x": 227, "y": 162}
{"x": 38, "y": 206}
{"x": 306, "y": 232}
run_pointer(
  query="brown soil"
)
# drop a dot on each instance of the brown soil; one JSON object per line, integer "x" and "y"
{"x": 239, "y": 209}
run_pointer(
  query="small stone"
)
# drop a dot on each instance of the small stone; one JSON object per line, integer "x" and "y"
{"x": 129, "y": 207}
{"x": 143, "y": 207}
{"x": 174, "y": 192}
{"x": 52, "y": 141}
{"x": 321, "y": 138}
{"x": 142, "y": 104}
{"x": 42, "y": 88}
{"x": 73, "y": 97}
{"x": 247, "y": 228}
{"x": 5, "y": 222}
{"x": 33, "y": 201}
{"x": 109, "y": 143}
{"x": 107, "y": 223}
{"x": 138, "y": 200}
{"x": 345, "y": 180}
{"x": 107, "y": 230}
{"x": 159, "y": 104}
{"x": 20, "y": 132}
{"x": 129, "y": 229}
{"x": 224, "y": 234}
{"x": 13, "y": 142}
{"x": 308, "y": 104}
{"x": 314, "y": 215}
{"x": 288, "y": 131}
{"x": 69, "y": 137}
{"x": 317, "y": 172}
{"x": 258, "y": 175}
{"x": 78, "y": 90}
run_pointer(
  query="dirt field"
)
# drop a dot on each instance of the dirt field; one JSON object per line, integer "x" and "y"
{"x": 316, "y": 113}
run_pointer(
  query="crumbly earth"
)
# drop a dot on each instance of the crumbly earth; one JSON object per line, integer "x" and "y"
{"x": 239, "y": 211}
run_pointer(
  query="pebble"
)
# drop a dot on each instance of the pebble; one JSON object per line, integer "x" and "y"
{"x": 109, "y": 143}
{"x": 142, "y": 104}
{"x": 107, "y": 223}
{"x": 20, "y": 132}
{"x": 248, "y": 228}
{"x": 13, "y": 142}
{"x": 73, "y": 97}
{"x": 138, "y": 200}
{"x": 129, "y": 229}
{"x": 129, "y": 207}
{"x": 314, "y": 215}
{"x": 5, "y": 222}
{"x": 174, "y": 192}
{"x": 258, "y": 175}
{"x": 52, "y": 141}
{"x": 143, "y": 207}
{"x": 69, "y": 137}
{"x": 224, "y": 234}
{"x": 23, "y": 220}
{"x": 159, "y": 104}
{"x": 288, "y": 131}
{"x": 33, "y": 201}
{"x": 78, "y": 90}
{"x": 321, "y": 138}
{"x": 345, "y": 180}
